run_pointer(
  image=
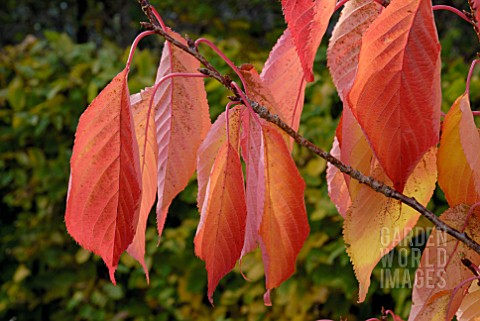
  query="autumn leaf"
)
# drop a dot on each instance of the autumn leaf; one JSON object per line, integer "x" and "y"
{"x": 104, "y": 191}
{"x": 441, "y": 269}
{"x": 281, "y": 76}
{"x": 396, "y": 94}
{"x": 344, "y": 46}
{"x": 353, "y": 151}
{"x": 307, "y": 21}
{"x": 221, "y": 231}
{"x": 469, "y": 310}
{"x": 148, "y": 166}
{"x": 375, "y": 224}
{"x": 337, "y": 187}
{"x": 284, "y": 226}
{"x": 182, "y": 121}
{"x": 259, "y": 92}
{"x": 208, "y": 150}
{"x": 458, "y": 157}
{"x": 253, "y": 151}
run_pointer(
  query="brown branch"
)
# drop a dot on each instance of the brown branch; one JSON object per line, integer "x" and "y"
{"x": 263, "y": 112}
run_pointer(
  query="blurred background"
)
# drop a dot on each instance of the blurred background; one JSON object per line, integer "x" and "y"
{"x": 55, "y": 57}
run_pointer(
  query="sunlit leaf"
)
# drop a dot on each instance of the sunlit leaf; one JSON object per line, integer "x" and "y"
{"x": 104, "y": 191}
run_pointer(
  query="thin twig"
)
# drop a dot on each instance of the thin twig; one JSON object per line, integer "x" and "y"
{"x": 263, "y": 112}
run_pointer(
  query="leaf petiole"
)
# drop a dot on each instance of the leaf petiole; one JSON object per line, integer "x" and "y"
{"x": 224, "y": 58}
{"x": 452, "y": 9}
{"x": 134, "y": 46}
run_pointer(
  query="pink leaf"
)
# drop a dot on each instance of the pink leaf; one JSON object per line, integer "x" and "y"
{"x": 254, "y": 155}
{"x": 282, "y": 77}
{"x": 148, "y": 166}
{"x": 104, "y": 191}
{"x": 307, "y": 21}
{"x": 441, "y": 270}
{"x": 344, "y": 46}
{"x": 182, "y": 121}
{"x": 337, "y": 187}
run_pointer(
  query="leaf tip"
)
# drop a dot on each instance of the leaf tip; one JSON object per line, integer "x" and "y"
{"x": 267, "y": 300}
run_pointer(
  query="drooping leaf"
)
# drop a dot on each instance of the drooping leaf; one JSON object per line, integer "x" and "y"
{"x": 307, "y": 21}
{"x": 355, "y": 150}
{"x": 253, "y": 151}
{"x": 104, "y": 191}
{"x": 396, "y": 94}
{"x": 342, "y": 59}
{"x": 375, "y": 224}
{"x": 260, "y": 93}
{"x": 147, "y": 146}
{"x": 344, "y": 46}
{"x": 458, "y": 157}
{"x": 337, "y": 187}
{"x": 182, "y": 120}
{"x": 208, "y": 150}
{"x": 469, "y": 309}
{"x": 282, "y": 77}
{"x": 221, "y": 231}
{"x": 284, "y": 226}
{"x": 441, "y": 269}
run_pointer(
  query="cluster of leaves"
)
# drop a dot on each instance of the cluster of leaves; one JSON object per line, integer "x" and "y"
{"x": 46, "y": 276}
{"x": 385, "y": 64}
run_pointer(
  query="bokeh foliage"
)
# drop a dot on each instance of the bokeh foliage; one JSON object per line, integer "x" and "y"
{"x": 45, "y": 84}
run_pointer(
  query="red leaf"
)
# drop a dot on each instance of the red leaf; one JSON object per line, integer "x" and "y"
{"x": 344, "y": 46}
{"x": 441, "y": 269}
{"x": 307, "y": 21}
{"x": 396, "y": 95}
{"x": 182, "y": 120}
{"x": 148, "y": 166}
{"x": 284, "y": 226}
{"x": 221, "y": 231}
{"x": 476, "y": 7}
{"x": 458, "y": 157}
{"x": 282, "y": 77}
{"x": 104, "y": 191}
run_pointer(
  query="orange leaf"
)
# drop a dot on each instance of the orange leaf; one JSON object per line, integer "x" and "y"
{"x": 458, "y": 157}
{"x": 441, "y": 269}
{"x": 148, "y": 166}
{"x": 284, "y": 226}
{"x": 396, "y": 94}
{"x": 182, "y": 120}
{"x": 375, "y": 224}
{"x": 104, "y": 191}
{"x": 208, "y": 150}
{"x": 221, "y": 231}
{"x": 307, "y": 21}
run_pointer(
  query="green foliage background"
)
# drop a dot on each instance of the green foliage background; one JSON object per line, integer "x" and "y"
{"x": 47, "y": 80}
